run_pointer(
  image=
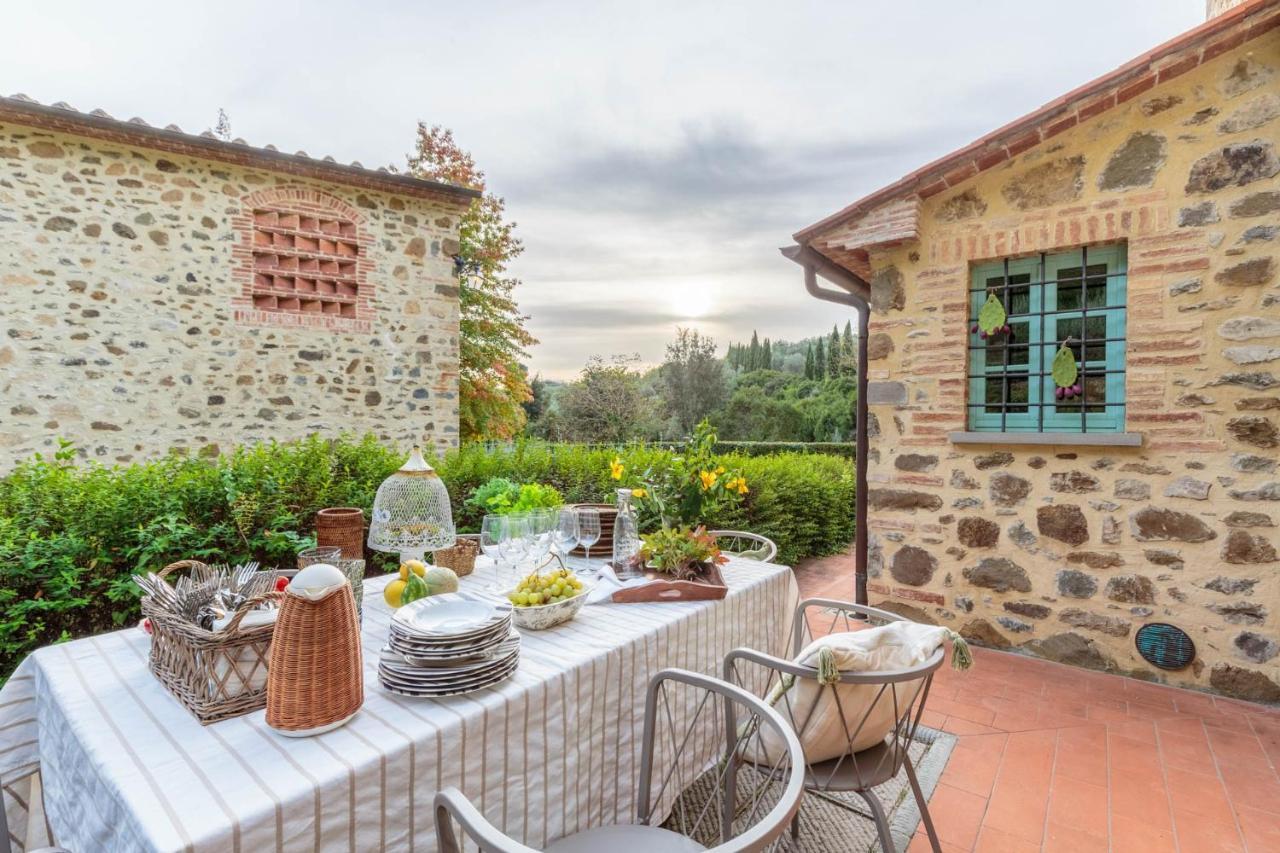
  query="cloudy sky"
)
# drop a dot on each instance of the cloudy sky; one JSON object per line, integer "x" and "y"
{"x": 655, "y": 154}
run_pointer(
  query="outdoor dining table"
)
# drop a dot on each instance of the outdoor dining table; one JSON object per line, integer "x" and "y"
{"x": 553, "y": 750}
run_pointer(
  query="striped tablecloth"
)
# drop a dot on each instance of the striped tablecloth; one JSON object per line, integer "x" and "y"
{"x": 551, "y": 751}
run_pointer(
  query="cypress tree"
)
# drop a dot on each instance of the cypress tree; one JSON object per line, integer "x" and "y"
{"x": 819, "y": 362}
{"x": 849, "y": 349}
{"x": 808, "y": 362}
{"x": 833, "y": 354}
{"x": 766, "y": 356}
{"x": 753, "y": 357}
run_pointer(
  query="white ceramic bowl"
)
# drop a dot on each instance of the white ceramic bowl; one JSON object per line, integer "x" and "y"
{"x": 539, "y": 616}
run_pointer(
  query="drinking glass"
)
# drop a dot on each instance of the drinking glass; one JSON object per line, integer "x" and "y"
{"x": 565, "y": 533}
{"x": 516, "y": 544}
{"x": 493, "y": 530}
{"x": 541, "y": 523}
{"x": 588, "y": 531}
{"x": 330, "y": 554}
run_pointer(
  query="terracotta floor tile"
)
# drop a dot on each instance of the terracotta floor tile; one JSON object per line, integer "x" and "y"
{"x": 1130, "y": 835}
{"x": 1079, "y": 807}
{"x": 1261, "y": 829}
{"x": 1069, "y": 839}
{"x": 920, "y": 844}
{"x": 956, "y": 814}
{"x": 992, "y": 840}
{"x": 1201, "y": 835}
{"x": 1070, "y": 757}
{"x": 1251, "y": 788}
{"x": 973, "y": 770}
{"x": 1147, "y": 800}
{"x": 1189, "y": 753}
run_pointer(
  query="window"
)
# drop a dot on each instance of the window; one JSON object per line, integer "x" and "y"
{"x": 304, "y": 264}
{"x": 1075, "y": 297}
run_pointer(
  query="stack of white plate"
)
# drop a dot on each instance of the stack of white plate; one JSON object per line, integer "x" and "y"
{"x": 446, "y": 645}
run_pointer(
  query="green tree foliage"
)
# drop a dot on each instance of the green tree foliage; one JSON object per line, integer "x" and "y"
{"x": 833, "y": 354}
{"x": 606, "y": 403}
{"x": 692, "y": 379}
{"x": 820, "y": 360}
{"x": 493, "y": 339}
{"x": 808, "y": 363}
{"x": 766, "y": 356}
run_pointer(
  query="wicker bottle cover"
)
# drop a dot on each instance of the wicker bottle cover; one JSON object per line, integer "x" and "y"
{"x": 315, "y": 679}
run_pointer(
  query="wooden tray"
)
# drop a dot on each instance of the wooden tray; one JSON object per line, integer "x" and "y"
{"x": 709, "y": 586}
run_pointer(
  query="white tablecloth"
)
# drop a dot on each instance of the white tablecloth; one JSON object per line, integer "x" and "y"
{"x": 551, "y": 751}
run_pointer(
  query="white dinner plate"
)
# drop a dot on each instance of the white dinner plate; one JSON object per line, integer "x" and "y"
{"x": 455, "y": 690}
{"x": 437, "y": 617}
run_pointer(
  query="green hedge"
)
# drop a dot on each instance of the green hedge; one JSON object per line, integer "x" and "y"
{"x": 71, "y": 535}
{"x": 764, "y": 448}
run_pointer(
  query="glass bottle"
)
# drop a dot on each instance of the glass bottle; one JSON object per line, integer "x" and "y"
{"x": 626, "y": 538}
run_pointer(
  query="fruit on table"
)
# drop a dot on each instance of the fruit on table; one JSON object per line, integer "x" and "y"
{"x": 418, "y": 581}
{"x": 418, "y": 567}
{"x": 393, "y": 592}
{"x": 554, "y": 586}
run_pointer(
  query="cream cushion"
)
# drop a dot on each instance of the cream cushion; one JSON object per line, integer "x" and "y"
{"x": 865, "y": 713}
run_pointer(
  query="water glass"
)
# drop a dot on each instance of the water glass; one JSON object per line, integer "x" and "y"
{"x": 329, "y": 554}
{"x": 515, "y": 546}
{"x": 493, "y": 531}
{"x": 564, "y": 536}
{"x": 588, "y": 530}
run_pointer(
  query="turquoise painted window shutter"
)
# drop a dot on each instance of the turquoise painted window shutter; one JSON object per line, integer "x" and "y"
{"x": 1076, "y": 297}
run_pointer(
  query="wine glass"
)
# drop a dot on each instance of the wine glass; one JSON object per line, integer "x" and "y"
{"x": 541, "y": 523}
{"x": 564, "y": 535}
{"x": 493, "y": 531}
{"x": 516, "y": 544}
{"x": 588, "y": 530}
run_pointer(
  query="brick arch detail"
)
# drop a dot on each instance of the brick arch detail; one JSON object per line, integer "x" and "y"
{"x": 306, "y": 201}
{"x": 304, "y": 198}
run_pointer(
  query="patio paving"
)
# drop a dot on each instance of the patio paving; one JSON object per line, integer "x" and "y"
{"x": 1054, "y": 758}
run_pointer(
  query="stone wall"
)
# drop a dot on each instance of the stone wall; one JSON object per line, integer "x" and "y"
{"x": 129, "y": 326}
{"x": 1064, "y": 551}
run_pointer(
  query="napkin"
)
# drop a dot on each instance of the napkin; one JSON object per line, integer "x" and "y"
{"x": 608, "y": 583}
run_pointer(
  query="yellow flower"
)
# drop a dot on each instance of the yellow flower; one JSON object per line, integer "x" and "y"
{"x": 742, "y": 486}
{"x": 616, "y": 468}
{"x": 638, "y": 493}
{"x": 720, "y": 469}
{"x": 708, "y": 479}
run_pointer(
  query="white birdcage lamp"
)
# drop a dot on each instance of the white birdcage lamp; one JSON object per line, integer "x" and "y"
{"x": 411, "y": 512}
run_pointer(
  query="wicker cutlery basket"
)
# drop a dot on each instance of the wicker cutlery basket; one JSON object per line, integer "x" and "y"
{"x": 213, "y": 674}
{"x": 461, "y": 557}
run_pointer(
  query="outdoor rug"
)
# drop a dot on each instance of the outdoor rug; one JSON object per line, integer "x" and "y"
{"x": 838, "y": 823}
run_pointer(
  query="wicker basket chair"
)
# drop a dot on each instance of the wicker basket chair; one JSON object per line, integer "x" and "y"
{"x": 732, "y": 818}
{"x": 898, "y": 695}
{"x": 739, "y": 543}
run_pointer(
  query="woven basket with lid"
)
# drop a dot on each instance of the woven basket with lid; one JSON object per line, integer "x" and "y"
{"x": 315, "y": 677}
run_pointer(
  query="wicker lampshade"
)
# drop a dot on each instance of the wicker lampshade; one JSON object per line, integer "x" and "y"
{"x": 411, "y": 513}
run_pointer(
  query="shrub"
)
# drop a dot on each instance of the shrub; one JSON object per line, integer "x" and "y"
{"x": 72, "y": 535}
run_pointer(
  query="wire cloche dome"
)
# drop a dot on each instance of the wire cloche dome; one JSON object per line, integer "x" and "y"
{"x": 411, "y": 513}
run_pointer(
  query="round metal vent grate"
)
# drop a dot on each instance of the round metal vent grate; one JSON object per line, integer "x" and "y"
{"x": 1166, "y": 646}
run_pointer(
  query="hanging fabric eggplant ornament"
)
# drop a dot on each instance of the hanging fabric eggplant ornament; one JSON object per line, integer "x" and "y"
{"x": 1066, "y": 373}
{"x": 992, "y": 318}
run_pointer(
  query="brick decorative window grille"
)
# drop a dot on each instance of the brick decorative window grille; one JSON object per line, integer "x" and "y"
{"x": 1050, "y": 298}
{"x": 304, "y": 263}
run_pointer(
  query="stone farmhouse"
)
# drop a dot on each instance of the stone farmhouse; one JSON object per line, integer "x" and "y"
{"x": 1135, "y": 221}
{"x": 169, "y": 290}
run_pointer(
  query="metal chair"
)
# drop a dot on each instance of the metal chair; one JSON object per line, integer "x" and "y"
{"x": 905, "y": 691}
{"x": 739, "y": 543}
{"x": 680, "y": 708}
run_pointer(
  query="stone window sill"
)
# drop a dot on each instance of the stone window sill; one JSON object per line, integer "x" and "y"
{"x": 1060, "y": 439}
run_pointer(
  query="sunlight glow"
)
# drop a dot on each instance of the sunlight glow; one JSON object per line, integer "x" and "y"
{"x": 691, "y": 303}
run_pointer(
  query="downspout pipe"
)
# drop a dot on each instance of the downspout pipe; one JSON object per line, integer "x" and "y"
{"x": 854, "y": 293}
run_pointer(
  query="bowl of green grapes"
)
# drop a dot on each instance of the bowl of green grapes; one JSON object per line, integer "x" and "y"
{"x": 549, "y": 599}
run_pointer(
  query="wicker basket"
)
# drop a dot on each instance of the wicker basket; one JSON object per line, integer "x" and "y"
{"x": 316, "y": 678}
{"x": 603, "y": 547}
{"x": 462, "y": 556}
{"x": 342, "y": 527}
{"x": 214, "y": 674}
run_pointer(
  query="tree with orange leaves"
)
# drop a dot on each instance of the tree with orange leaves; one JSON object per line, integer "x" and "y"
{"x": 492, "y": 382}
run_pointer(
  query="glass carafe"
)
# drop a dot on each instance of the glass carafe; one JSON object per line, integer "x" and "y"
{"x": 626, "y": 538}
